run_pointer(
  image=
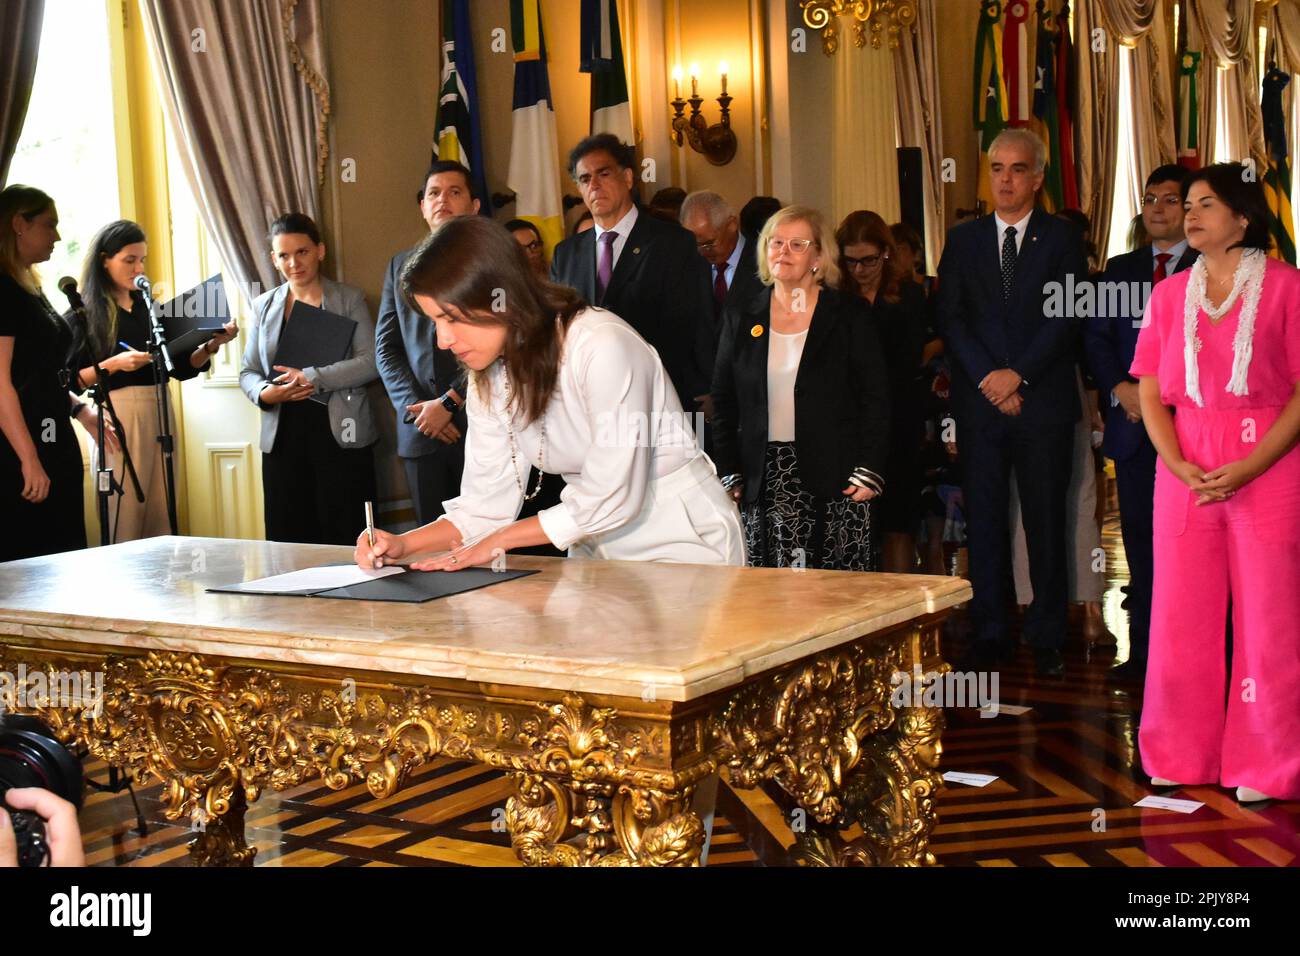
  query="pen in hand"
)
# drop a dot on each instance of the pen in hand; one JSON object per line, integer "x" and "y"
{"x": 370, "y": 522}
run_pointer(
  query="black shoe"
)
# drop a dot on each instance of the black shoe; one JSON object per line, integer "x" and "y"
{"x": 1132, "y": 671}
{"x": 1048, "y": 662}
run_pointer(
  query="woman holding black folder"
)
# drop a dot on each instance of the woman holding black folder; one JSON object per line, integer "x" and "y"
{"x": 114, "y": 338}
{"x": 317, "y": 463}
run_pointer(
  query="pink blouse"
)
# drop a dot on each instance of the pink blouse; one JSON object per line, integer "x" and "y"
{"x": 1275, "y": 357}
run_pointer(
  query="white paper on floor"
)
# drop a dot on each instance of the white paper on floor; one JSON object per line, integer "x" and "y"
{"x": 1170, "y": 803}
{"x": 970, "y": 779}
{"x": 1011, "y": 710}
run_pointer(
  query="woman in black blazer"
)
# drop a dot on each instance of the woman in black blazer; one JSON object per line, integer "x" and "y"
{"x": 801, "y": 406}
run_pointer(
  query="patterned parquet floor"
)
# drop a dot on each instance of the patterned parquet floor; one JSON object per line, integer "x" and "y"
{"x": 1067, "y": 773}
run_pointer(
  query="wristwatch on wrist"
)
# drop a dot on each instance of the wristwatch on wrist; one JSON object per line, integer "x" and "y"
{"x": 449, "y": 403}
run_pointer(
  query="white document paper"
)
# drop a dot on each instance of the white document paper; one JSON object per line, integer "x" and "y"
{"x": 970, "y": 779}
{"x": 319, "y": 579}
{"x": 1170, "y": 803}
{"x": 1011, "y": 710}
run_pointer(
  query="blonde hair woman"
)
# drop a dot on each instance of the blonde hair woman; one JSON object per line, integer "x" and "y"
{"x": 801, "y": 405}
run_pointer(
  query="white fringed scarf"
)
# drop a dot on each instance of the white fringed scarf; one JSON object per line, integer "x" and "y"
{"x": 1247, "y": 284}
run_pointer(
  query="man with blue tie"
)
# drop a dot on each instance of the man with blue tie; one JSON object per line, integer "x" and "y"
{"x": 1110, "y": 340}
{"x": 1014, "y": 394}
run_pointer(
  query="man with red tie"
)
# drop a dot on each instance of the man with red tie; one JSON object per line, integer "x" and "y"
{"x": 1110, "y": 341}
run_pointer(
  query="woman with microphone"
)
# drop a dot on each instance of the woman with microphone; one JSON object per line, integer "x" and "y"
{"x": 115, "y": 339}
{"x": 40, "y": 458}
{"x": 567, "y": 388}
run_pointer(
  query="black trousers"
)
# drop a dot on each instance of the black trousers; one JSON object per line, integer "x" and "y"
{"x": 1040, "y": 456}
{"x": 315, "y": 491}
{"x": 433, "y": 479}
{"x": 1135, "y": 481}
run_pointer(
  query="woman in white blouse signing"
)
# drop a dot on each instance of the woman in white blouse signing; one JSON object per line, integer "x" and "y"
{"x": 571, "y": 389}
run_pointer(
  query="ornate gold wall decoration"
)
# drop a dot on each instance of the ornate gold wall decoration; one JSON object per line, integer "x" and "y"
{"x": 883, "y": 19}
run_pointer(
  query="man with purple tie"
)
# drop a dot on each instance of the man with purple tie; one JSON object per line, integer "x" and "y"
{"x": 644, "y": 270}
{"x": 1110, "y": 341}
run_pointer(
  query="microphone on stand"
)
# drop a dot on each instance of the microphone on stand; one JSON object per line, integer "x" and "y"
{"x": 141, "y": 282}
{"x": 68, "y": 286}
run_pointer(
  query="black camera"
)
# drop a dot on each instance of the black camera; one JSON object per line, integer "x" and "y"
{"x": 30, "y": 756}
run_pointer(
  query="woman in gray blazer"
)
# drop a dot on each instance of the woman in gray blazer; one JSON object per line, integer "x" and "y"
{"x": 317, "y": 462}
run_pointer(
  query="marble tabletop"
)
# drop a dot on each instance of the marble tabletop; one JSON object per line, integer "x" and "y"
{"x": 598, "y": 627}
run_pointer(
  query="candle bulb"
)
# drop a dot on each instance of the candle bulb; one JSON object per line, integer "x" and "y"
{"x": 695, "y": 79}
{"x": 722, "y": 68}
{"x": 677, "y": 82}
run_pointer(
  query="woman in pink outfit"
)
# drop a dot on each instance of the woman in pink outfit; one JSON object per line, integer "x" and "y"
{"x": 1218, "y": 361}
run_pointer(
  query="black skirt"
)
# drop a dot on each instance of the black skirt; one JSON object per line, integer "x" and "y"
{"x": 788, "y": 527}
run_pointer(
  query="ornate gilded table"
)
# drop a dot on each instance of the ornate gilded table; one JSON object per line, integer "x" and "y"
{"x": 612, "y": 693}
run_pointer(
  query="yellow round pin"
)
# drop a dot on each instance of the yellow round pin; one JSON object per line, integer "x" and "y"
{"x": 756, "y": 331}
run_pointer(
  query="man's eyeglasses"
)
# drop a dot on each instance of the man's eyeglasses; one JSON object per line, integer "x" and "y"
{"x": 796, "y": 245}
{"x": 866, "y": 261}
{"x": 1171, "y": 201}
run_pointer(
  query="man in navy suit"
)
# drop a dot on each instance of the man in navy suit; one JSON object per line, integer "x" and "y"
{"x": 1012, "y": 360}
{"x": 422, "y": 379}
{"x": 733, "y": 268}
{"x": 644, "y": 270}
{"x": 1110, "y": 340}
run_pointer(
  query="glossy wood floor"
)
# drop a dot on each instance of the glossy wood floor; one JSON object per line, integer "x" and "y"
{"x": 1068, "y": 776}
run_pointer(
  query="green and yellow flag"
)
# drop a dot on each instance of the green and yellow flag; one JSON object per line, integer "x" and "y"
{"x": 1277, "y": 177}
{"x": 990, "y": 103}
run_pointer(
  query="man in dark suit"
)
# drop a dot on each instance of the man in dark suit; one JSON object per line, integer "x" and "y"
{"x": 644, "y": 270}
{"x": 1013, "y": 393}
{"x": 1110, "y": 337}
{"x": 422, "y": 379}
{"x": 733, "y": 269}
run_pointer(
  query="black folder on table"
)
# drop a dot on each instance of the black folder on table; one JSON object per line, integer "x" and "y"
{"x": 313, "y": 338}
{"x": 409, "y": 587}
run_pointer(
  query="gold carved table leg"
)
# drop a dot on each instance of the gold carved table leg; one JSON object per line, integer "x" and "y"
{"x": 861, "y": 772}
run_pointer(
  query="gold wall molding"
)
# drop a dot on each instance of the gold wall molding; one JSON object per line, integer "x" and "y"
{"x": 882, "y": 19}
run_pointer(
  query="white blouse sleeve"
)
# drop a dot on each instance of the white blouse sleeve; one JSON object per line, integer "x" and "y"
{"x": 489, "y": 493}
{"x": 614, "y": 372}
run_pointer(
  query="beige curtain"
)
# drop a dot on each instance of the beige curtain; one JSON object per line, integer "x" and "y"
{"x": 20, "y": 39}
{"x": 244, "y": 85}
{"x": 1230, "y": 79}
{"x": 1096, "y": 117}
{"x": 1284, "y": 29}
{"x": 864, "y": 154}
{"x": 916, "y": 76}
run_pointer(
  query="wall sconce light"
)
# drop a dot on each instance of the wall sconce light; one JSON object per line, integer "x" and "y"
{"x": 716, "y": 142}
{"x": 883, "y": 16}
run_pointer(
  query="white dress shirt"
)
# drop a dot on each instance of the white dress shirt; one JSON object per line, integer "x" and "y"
{"x": 1020, "y": 227}
{"x": 623, "y": 228}
{"x": 614, "y": 426}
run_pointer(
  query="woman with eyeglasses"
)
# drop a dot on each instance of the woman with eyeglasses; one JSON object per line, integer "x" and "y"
{"x": 801, "y": 405}
{"x": 871, "y": 269}
{"x": 529, "y": 238}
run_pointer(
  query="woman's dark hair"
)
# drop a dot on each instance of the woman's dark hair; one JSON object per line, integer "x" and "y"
{"x": 585, "y": 217}
{"x": 295, "y": 224}
{"x": 474, "y": 265}
{"x": 863, "y": 225}
{"x": 755, "y": 214}
{"x": 1236, "y": 186}
{"x": 514, "y": 224}
{"x": 97, "y": 285}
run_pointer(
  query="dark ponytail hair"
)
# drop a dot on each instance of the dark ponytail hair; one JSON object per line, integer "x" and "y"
{"x": 97, "y": 286}
{"x": 474, "y": 265}
{"x": 295, "y": 224}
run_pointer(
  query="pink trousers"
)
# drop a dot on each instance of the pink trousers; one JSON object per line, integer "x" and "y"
{"x": 1206, "y": 720}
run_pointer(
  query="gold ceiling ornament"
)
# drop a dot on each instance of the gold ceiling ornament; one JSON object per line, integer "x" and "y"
{"x": 884, "y": 19}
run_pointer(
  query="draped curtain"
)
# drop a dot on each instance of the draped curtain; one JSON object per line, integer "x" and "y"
{"x": 1146, "y": 28}
{"x": 864, "y": 158}
{"x": 245, "y": 90}
{"x": 916, "y": 78}
{"x": 20, "y": 39}
{"x": 1229, "y": 44}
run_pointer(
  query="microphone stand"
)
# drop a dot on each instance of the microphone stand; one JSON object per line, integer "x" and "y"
{"x": 163, "y": 367}
{"x": 106, "y": 484}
